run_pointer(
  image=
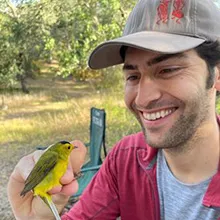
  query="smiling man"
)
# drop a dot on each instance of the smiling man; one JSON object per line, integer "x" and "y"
{"x": 167, "y": 96}
{"x": 170, "y": 53}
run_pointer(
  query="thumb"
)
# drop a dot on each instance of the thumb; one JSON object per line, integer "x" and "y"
{"x": 77, "y": 156}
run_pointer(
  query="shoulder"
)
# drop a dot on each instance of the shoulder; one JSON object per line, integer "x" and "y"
{"x": 130, "y": 143}
{"x": 136, "y": 140}
{"x": 130, "y": 153}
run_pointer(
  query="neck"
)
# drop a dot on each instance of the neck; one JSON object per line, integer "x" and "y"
{"x": 199, "y": 158}
{"x": 63, "y": 156}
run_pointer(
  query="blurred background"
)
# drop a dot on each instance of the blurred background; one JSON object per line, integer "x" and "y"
{"x": 46, "y": 87}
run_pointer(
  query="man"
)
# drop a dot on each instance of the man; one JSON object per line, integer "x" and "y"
{"x": 171, "y": 57}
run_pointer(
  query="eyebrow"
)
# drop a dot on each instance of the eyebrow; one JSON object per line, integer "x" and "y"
{"x": 155, "y": 60}
{"x": 164, "y": 57}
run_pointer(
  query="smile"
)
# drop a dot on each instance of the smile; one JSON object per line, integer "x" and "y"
{"x": 157, "y": 115}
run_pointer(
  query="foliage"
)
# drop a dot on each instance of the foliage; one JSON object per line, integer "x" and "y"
{"x": 33, "y": 30}
{"x": 22, "y": 41}
{"x": 89, "y": 24}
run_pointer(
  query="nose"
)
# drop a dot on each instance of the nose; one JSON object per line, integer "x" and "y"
{"x": 148, "y": 91}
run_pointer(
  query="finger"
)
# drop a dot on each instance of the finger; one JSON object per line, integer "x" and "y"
{"x": 60, "y": 199}
{"x": 77, "y": 143}
{"x": 25, "y": 166}
{"x": 78, "y": 155}
{"x": 68, "y": 175}
{"x": 55, "y": 190}
{"x": 16, "y": 185}
{"x": 70, "y": 189}
{"x": 67, "y": 178}
{"x": 17, "y": 179}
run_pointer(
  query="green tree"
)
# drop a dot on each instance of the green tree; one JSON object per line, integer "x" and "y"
{"x": 54, "y": 29}
{"x": 25, "y": 27}
{"x": 80, "y": 26}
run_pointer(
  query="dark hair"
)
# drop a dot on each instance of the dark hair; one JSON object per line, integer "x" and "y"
{"x": 210, "y": 53}
{"x": 123, "y": 51}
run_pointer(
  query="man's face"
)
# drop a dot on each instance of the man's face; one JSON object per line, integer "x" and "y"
{"x": 167, "y": 94}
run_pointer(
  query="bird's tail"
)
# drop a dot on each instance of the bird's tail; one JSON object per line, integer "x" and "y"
{"x": 52, "y": 207}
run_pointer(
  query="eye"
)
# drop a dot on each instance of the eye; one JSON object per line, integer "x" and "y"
{"x": 69, "y": 147}
{"x": 132, "y": 78}
{"x": 169, "y": 70}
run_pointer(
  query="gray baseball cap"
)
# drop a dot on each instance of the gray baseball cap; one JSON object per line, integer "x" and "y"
{"x": 166, "y": 26}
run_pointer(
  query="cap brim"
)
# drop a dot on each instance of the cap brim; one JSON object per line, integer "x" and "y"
{"x": 108, "y": 53}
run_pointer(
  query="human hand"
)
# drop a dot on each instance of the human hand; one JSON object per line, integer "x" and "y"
{"x": 29, "y": 207}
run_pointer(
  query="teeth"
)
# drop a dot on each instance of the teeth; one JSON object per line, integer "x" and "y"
{"x": 156, "y": 115}
{"x": 153, "y": 116}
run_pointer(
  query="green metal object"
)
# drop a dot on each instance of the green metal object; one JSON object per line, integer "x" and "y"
{"x": 97, "y": 142}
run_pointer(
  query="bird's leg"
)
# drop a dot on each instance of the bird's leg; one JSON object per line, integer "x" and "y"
{"x": 77, "y": 175}
{"x": 47, "y": 199}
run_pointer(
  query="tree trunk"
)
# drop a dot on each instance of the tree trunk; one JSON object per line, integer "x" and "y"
{"x": 22, "y": 80}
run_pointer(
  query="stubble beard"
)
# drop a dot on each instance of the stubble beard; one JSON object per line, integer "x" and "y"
{"x": 183, "y": 132}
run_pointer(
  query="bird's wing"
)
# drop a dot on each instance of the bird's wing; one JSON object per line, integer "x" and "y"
{"x": 44, "y": 165}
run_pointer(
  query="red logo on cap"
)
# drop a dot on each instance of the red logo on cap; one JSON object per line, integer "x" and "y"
{"x": 162, "y": 11}
{"x": 177, "y": 12}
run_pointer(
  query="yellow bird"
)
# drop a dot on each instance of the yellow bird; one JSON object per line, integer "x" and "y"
{"x": 47, "y": 172}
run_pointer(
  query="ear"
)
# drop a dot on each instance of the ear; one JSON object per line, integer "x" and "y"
{"x": 217, "y": 77}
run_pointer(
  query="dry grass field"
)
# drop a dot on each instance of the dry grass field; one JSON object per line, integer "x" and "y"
{"x": 54, "y": 110}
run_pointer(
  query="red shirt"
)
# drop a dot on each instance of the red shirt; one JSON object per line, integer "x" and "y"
{"x": 126, "y": 186}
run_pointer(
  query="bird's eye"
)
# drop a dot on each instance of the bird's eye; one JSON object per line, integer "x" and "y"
{"x": 69, "y": 147}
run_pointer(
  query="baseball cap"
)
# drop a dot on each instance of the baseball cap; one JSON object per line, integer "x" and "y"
{"x": 165, "y": 26}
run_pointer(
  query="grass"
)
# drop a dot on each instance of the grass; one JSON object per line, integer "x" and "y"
{"x": 59, "y": 110}
{"x": 54, "y": 110}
